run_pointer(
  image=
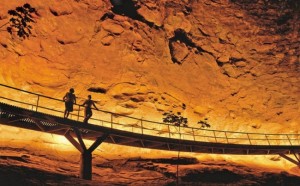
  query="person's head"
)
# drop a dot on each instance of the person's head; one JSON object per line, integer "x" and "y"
{"x": 89, "y": 96}
{"x": 72, "y": 90}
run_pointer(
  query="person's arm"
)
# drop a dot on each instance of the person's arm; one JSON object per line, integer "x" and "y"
{"x": 83, "y": 103}
{"x": 64, "y": 98}
{"x": 95, "y": 106}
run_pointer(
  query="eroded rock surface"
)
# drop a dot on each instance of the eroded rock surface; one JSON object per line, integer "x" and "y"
{"x": 133, "y": 171}
{"x": 231, "y": 61}
{"x": 240, "y": 64}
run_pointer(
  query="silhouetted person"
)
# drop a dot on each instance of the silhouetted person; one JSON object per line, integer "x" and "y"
{"x": 70, "y": 100}
{"x": 88, "y": 108}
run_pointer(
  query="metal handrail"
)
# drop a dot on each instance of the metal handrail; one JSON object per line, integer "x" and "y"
{"x": 144, "y": 129}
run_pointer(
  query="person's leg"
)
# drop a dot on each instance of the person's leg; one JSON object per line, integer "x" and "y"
{"x": 88, "y": 116}
{"x": 66, "y": 113}
{"x": 85, "y": 116}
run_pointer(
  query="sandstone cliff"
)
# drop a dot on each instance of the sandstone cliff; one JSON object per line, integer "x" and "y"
{"x": 234, "y": 62}
{"x": 231, "y": 61}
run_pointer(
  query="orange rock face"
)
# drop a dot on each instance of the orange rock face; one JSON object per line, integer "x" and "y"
{"x": 214, "y": 55}
{"x": 235, "y": 65}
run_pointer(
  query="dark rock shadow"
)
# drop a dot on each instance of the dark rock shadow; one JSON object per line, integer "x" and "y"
{"x": 129, "y": 9}
{"x": 19, "y": 175}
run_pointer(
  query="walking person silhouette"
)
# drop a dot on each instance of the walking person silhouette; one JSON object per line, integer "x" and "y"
{"x": 70, "y": 100}
{"x": 88, "y": 108}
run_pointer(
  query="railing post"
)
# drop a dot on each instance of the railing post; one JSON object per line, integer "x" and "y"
{"x": 169, "y": 131}
{"x": 249, "y": 139}
{"x": 37, "y": 103}
{"x": 193, "y": 134}
{"x": 111, "y": 120}
{"x": 226, "y": 136}
{"x": 267, "y": 139}
{"x": 78, "y": 113}
{"x": 179, "y": 133}
{"x": 142, "y": 126}
{"x": 215, "y": 136}
{"x": 289, "y": 140}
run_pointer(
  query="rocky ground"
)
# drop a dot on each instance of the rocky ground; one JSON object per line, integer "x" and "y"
{"x": 21, "y": 167}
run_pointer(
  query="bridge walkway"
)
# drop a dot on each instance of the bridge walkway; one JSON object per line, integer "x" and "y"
{"x": 24, "y": 109}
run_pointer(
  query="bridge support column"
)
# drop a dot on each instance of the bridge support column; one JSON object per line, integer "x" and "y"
{"x": 296, "y": 161}
{"x": 86, "y": 154}
{"x": 86, "y": 165}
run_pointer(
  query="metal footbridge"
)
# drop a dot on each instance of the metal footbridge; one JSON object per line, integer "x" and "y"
{"x": 29, "y": 110}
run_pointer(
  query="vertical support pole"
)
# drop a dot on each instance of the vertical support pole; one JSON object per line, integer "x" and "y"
{"x": 193, "y": 134}
{"x": 86, "y": 154}
{"x": 86, "y": 165}
{"x": 181, "y": 136}
{"x": 111, "y": 120}
{"x": 169, "y": 131}
{"x": 78, "y": 113}
{"x": 267, "y": 139}
{"x": 179, "y": 149}
{"x": 37, "y": 103}
{"x": 142, "y": 126}
{"x": 289, "y": 140}
{"x": 226, "y": 137}
{"x": 215, "y": 136}
{"x": 249, "y": 139}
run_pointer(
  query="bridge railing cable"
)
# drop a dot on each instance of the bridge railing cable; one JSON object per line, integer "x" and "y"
{"x": 45, "y": 104}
